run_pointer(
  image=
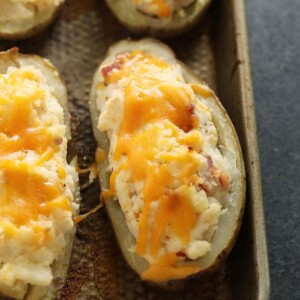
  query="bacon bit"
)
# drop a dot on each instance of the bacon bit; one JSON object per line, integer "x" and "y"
{"x": 79, "y": 218}
{"x": 224, "y": 180}
{"x": 58, "y": 141}
{"x": 116, "y": 65}
{"x": 189, "y": 120}
{"x": 187, "y": 127}
{"x": 204, "y": 187}
{"x": 191, "y": 109}
{"x": 209, "y": 163}
{"x": 180, "y": 254}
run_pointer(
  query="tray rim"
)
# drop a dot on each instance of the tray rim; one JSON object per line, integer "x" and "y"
{"x": 252, "y": 162}
{"x": 252, "y": 155}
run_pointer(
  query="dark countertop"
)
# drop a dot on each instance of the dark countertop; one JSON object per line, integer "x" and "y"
{"x": 274, "y": 36}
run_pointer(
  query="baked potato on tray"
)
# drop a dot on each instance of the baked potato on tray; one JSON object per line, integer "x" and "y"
{"x": 158, "y": 18}
{"x": 39, "y": 187}
{"x": 173, "y": 176}
{"x": 20, "y": 19}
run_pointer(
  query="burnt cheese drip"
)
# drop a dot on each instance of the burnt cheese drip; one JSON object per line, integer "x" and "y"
{"x": 148, "y": 102}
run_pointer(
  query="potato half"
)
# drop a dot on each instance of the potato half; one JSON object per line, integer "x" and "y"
{"x": 22, "y": 289}
{"x": 228, "y": 144}
{"x": 20, "y": 19}
{"x": 142, "y": 24}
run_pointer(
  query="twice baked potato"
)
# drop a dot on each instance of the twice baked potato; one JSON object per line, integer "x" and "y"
{"x": 170, "y": 163}
{"x": 20, "y": 19}
{"x": 158, "y": 18}
{"x": 39, "y": 194}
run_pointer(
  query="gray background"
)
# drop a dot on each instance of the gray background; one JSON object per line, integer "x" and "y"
{"x": 274, "y": 33}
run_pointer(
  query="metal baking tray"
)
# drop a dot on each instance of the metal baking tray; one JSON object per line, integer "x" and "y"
{"x": 217, "y": 50}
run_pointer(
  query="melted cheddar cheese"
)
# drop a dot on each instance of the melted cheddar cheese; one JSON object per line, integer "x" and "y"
{"x": 167, "y": 171}
{"x": 36, "y": 183}
{"x": 161, "y": 8}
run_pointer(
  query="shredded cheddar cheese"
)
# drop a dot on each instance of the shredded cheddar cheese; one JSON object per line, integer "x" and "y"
{"x": 160, "y": 8}
{"x": 36, "y": 191}
{"x": 166, "y": 167}
{"x": 21, "y": 131}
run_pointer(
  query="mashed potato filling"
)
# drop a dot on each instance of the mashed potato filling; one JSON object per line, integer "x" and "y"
{"x": 161, "y": 8}
{"x": 168, "y": 174}
{"x": 36, "y": 183}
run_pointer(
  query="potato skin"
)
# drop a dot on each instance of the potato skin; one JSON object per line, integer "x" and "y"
{"x": 143, "y": 25}
{"x": 36, "y": 27}
{"x": 13, "y": 58}
{"x": 229, "y": 146}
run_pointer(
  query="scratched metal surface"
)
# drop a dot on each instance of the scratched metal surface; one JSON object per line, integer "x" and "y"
{"x": 76, "y": 43}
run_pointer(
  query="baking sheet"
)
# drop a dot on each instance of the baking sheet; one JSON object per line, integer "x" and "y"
{"x": 216, "y": 49}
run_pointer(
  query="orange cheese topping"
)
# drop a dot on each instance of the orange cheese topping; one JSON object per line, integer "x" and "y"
{"x": 19, "y": 130}
{"x": 148, "y": 99}
{"x": 26, "y": 195}
{"x": 152, "y": 105}
{"x": 24, "y": 192}
{"x": 166, "y": 267}
{"x": 162, "y": 8}
{"x": 174, "y": 210}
